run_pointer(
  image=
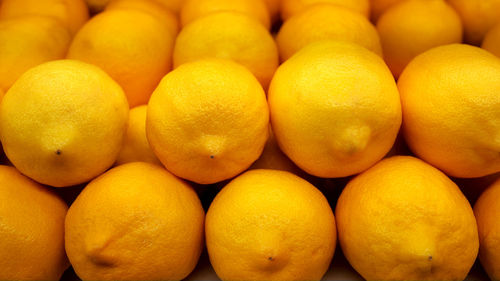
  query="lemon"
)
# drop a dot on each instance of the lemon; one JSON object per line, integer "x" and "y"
{"x": 451, "y": 116}
{"x": 335, "y": 109}
{"x": 32, "y": 229}
{"x": 132, "y": 46}
{"x": 229, "y": 35}
{"x": 270, "y": 225}
{"x": 403, "y": 219}
{"x": 62, "y": 122}
{"x": 135, "y": 222}
{"x": 326, "y": 22}
{"x": 208, "y": 120}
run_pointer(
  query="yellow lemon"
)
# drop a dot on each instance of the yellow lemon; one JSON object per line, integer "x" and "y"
{"x": 335, "y": 109}
{"x": 31, "y": 229}
{"x": 135, "y": 222}
{"x": 491, "y": 41}
{"x": 208, "y": 120}
{"x": 270, "y": 225}
{"x": 132, "y": 46}
{"x": 152, "y": 7}
{"x": 72, "y": 13}
{"x": 487, "y": 211}
{"x": 326, "y": 22}
{"x": 135, "y": 146}
{"x": 405, "y": 220}
{"x": 293, "y": 7}
{"x": 478, "y": 16}
{"x": 412, "y": 27}
{"x": 451, "y": 109}
{"x": 62, "y": 122}
{"x": 28, "y": 41}
{"x": 194, "y": 9}
{"x": 231, "y": 36}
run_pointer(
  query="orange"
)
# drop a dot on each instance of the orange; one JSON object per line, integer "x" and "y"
{"x": 273, "y": 158}
{"x": 28, "y": 41}
{"x": 451, "y": 116}
{"x": 72, "y": 13}
{"x": 208, "y": 120}
{"x": 32, "y": 229}
{"x": 194, "y": 9}
{"x": 290, "y": 8}
{"x": 478, "y": 16}
{"x": 149, "y": 6}
{"x": 378, "y": 7}
{"x": 135, "y": 147}
{"x": 270, "y": 225}
{"x": 491, "y": 41}
{"x": 405, "y": 220}
{"x": 326, "y": 22}
{"x": 335, "y": 109}
{"x": 231, "y": 36}
{"x": 412, "y": 27}
{"x": 487, "y": 211}
{"x": 132, "y": 46}
{"x": 135, "y": 222}
{"x": 62, "y": 122}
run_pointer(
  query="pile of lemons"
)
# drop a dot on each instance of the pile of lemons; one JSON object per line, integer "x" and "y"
{"x": 145, "y": 104}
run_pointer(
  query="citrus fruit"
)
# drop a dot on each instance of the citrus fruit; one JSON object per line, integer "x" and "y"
{"x": 326, "y": 22}
{"x": 290, "y": 8}
{"x": 451, "y": 116}
{"x": 208, "y": 120}
{"x": 62, "y": 122}
{"x": 32, "y": 229}
{"x": 96, "y": 6}
{"x": 270, "y": 225}
{"x": 335, "y": 109}
{"x": 412, "y": 27}
{"x": 28, "y": 41}
{"x": 229, "y": 35}
{"x": 72, "y": 13}
{"x": 256, "y": 9}
{"x": 273, "y": 158}
{"x": 135, "y": 222}
{"x": 152, "y": 7}
{"x": 132, "y": 46}
{"x": 405, "y": 220}
{"x": 135, "y": 147}
{"x": 378, "y": 7}
{"x": 478, "y": 16}
{"x": 487, "y": 211}
{"x": 491, "y": 41}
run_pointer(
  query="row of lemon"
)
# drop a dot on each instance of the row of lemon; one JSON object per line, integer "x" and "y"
{"x": 400, "y": 220}
{"x": 135, "y": 38}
